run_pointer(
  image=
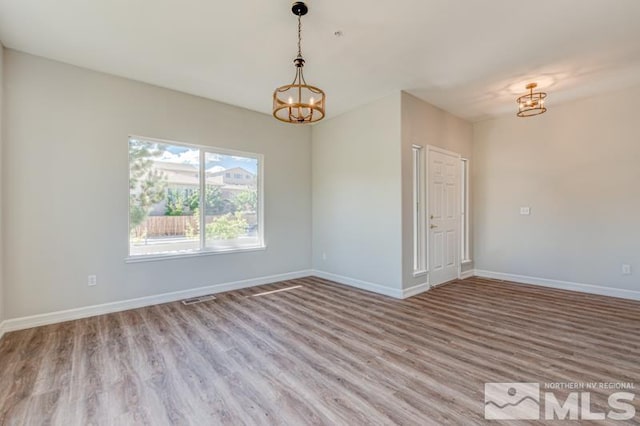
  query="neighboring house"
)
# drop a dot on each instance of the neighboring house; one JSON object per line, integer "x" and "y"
{"x": 234, "y": 176}
{"x": 179, "y": 175}
{"x": 185, "y": 177}
{"x": 232, "y": 181}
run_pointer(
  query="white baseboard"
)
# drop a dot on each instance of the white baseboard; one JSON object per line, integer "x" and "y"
{"x": 89, "y": 311}
{"x": 374, "y": 288}
{"x": 106, "y": 308}
{"x": 415, "y": 290}
{"x": 363, "y": 285}
{"x": 561, "y": 285}
{"x": 467, "y": 274}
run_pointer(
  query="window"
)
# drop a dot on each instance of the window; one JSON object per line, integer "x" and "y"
{"x": 419, "y": 245}
{"x": 464, "y": 210}
{"x": 180, "y": 204}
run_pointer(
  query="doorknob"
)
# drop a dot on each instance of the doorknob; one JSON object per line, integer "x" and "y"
{"x": 433, "y": 226}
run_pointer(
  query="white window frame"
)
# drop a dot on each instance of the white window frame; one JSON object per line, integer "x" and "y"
{"x": 419, "y": 215}
{"x": 203, "y": 250}
{"x": 464, "y": 212}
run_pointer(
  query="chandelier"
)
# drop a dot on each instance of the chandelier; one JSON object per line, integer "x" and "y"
{"x": 299, "y": 102}
{"x": 532, "y": 103}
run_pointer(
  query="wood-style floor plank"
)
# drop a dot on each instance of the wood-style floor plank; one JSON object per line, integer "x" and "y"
{"x": 317, "y": 353}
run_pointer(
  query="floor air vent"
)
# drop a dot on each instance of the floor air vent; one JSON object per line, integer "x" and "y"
{"x": 200, "y": 299}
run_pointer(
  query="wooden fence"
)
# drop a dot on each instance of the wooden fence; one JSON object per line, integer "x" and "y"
{"x": 166, "y": 226}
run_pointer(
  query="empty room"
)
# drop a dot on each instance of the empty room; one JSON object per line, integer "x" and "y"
{"x": 421, "y": 212}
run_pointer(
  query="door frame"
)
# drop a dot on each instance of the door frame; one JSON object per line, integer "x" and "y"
{"x": 427, "y": 203}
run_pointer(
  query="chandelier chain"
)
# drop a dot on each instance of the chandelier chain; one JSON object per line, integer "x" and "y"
{"x": 299, "y": 36}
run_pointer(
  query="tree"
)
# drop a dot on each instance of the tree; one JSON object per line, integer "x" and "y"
{"x": 146, "y": 185}
{"x": 246, "y": 201}
{"x": 214, "y": 203}
{"x": 182, "y": 202}
{"x": 175, "y": 203}
{"x": 193, "y": 200}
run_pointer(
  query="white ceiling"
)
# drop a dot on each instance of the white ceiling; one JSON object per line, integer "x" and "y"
{"x": 469, "y": 57}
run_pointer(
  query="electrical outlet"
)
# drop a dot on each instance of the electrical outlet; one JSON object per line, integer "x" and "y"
{"x": 626, "y": 269}
{"x": 525, "y": 211}
{"x": 92, "y": 280}
{"x": 324, "y": 256}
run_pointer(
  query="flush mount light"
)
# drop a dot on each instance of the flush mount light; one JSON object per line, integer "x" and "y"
{"x": 298, "y": 102}
{"x": 532, "y": 103}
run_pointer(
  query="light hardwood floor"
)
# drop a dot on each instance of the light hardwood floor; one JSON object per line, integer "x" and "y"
{"x": 317, "y": 353}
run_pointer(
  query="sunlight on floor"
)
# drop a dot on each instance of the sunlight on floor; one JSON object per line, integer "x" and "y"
{"x": 276, "y": 291}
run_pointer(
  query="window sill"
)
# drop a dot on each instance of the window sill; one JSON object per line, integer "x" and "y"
{"x": 467, "y": 261}
{"x": 172, "y": 256}
{"x": 420, "y": 273}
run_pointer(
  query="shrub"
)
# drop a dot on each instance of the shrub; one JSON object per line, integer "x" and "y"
{"x": 227, "y": 227}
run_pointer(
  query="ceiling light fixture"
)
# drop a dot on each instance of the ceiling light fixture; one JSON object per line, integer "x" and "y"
{"x": 299, "y": 102}
{"x": 532, "y": 103}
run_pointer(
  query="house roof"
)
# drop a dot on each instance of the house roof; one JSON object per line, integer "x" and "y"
{"x": 231, "y": 170}
{"x": 188, "y": 174}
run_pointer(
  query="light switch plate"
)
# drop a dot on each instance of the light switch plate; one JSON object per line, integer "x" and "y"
{"x": 526, "y": 211}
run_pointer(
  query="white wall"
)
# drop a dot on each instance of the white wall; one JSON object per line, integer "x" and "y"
{"x": 1, "y": 180}
{"x": 63, "y": 182}
{"x": 357, "y": 194}
{"x": 65, "y": 191}
{"x": 423, "y": 124}
{"x": 578, "y": 168}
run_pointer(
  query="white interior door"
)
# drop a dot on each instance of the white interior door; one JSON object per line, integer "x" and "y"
{"x": 443, "y": 215}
